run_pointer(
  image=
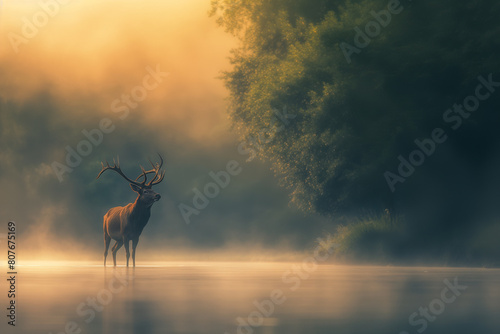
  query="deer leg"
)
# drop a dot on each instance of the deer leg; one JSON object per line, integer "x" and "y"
{"x": 115, "y": 249}
{"x": 134, "y": 246}
{"x": 127, "y": 250}
{"x": 107, "y": 240}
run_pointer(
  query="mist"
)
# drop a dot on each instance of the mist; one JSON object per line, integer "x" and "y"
{"x": 65, "y": 80}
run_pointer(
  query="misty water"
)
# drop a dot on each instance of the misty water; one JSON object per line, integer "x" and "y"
{"x": 210, "y": 297}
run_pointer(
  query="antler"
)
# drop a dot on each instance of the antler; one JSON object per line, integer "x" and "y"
{"x": 157, "y": 178}
{"x": 116, "y": 168}
{"x": 159, "y": 174}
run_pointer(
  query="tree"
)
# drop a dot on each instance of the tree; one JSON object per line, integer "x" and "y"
{"x": 361, "y": 94}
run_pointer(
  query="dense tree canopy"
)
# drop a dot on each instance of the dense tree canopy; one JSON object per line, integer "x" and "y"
{"x": 360, "y": 102}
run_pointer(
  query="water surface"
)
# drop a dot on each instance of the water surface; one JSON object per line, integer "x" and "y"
{"x": 219, "y": 297}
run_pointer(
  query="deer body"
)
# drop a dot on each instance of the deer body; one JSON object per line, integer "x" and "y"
{"x": 128, "y": 221}
{"x": 125, "y": 224}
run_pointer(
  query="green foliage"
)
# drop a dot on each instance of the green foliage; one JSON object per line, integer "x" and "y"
{"x": 353, "y": 120}
{"x": 368, "y": 238}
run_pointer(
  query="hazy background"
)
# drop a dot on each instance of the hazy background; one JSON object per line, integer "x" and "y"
{"x": 64, "y": 80}
{"x": 353, "y": 121}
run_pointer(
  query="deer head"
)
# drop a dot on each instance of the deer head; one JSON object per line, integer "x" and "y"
{"x": 140, "y": 185}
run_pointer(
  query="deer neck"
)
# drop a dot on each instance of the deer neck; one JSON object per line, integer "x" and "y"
{"x": 140, "y": 213}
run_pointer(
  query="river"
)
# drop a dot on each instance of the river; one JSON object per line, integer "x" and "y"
{"x": 247, "y": 297}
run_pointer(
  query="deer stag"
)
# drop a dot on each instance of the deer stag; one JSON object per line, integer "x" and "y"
{"x": 125, "y": 224}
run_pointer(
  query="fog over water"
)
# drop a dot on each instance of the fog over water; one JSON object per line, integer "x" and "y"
{"x": 209, "y": 297}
